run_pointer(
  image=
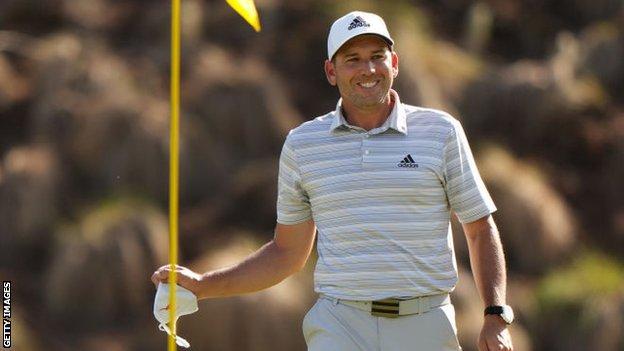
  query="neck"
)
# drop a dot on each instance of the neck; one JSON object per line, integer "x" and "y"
{"x": 368, "y": 118}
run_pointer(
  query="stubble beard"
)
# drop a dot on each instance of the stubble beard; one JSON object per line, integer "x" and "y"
{"x": 370, "y": 101}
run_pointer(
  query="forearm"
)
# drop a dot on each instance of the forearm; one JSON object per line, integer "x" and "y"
{"x": 286, "y": 254}
{"x": 263, "y": 269}
{"x": 488, "y": 263}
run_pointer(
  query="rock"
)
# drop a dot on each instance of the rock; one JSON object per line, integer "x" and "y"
{"x": 266, "y": 320}
{"x": 29, "y": 198}
{"x": 536, "y": 226}
{"x": 579, "y": 306}
{"x": 100, "y": 269}
{"x": 23, "y": 336}
{"x": 603, "y": 56}
{"x": 558, "y": 115}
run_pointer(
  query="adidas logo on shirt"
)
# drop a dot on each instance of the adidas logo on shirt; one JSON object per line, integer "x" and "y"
{"x": 358, "y": 22}
{"x": 408, "y": 162}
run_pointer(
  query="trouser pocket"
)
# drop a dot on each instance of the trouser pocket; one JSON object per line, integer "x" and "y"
{"x": 448, "y": 321}
{"x": 307, "y": 325}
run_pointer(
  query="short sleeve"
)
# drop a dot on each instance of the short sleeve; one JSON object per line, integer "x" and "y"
{"x": 293, "y": 204}
{"x": 466, "y": 193}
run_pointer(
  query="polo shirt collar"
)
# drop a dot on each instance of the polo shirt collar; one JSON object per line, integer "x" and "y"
{"x": 396, "y": 120}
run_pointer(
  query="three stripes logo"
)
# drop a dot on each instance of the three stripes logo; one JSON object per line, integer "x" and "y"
{"x": 408, "y": 162}
{"x": 358, "y": 22}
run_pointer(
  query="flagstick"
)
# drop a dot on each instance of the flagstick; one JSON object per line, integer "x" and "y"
{"x": 174, "y": 167}
{"x": 248, "y": 11}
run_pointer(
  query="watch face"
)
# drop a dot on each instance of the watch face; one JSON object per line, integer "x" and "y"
{"x": 507, "y": 314}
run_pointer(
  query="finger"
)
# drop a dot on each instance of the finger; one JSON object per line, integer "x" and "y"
{"x": 508, "y": 345}
{"x": 154, "y": 279}
{"x": 482, "y": 345}
{"x": 161, "y": 275}
{"x": 177, "y": 268}
{"x": 165, "y": 266}
{"x": 503, "y": 343}
{"x": 505, "y": 340}
{"x": 158, "y": 277}
{"x": 167, "y": 269}
{"x": 494, "y": 345}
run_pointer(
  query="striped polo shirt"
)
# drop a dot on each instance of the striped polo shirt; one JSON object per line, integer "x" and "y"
{"x": 381, "y": 200}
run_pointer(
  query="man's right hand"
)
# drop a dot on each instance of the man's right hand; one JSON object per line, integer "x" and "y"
{"x": 283, "y": 256}
{"x": 186, "y": 278}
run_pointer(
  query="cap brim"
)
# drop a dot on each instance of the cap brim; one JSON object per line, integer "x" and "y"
{"x": 386, "y": 39}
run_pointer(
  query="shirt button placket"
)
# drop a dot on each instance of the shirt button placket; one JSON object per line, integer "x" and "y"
{"x": 365, "y": 146}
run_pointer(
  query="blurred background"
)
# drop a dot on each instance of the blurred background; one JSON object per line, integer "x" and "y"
{"x": 84, "y": 89}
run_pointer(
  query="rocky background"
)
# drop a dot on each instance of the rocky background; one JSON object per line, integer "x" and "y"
{"x": 538, "y": 85}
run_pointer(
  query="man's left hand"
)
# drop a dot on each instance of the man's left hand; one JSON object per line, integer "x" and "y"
{"x": 494, "y": 335}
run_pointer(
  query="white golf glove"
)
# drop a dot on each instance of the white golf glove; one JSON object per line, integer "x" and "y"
{"x": 186, "y": 303}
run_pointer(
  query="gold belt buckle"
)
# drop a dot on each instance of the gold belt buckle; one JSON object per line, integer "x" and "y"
{"x": 388, "y": 308}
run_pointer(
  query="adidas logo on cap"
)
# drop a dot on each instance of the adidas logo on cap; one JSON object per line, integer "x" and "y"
{"x": 358, "y": 22}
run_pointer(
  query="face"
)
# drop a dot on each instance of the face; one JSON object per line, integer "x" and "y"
{"x": 364, "y": 70}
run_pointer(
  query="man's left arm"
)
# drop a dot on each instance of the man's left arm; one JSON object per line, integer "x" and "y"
{"x": 488, "y": 266}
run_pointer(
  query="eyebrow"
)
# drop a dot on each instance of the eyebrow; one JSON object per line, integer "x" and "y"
{"x": 353, "y": 54}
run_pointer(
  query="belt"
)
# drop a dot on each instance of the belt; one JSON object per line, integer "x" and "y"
{"x": 392, "y": 308}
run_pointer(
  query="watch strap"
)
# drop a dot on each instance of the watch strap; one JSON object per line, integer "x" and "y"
{"x": 498, "y": 310}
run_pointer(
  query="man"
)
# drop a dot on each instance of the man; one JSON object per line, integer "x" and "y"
{"x": 378, "y": 178}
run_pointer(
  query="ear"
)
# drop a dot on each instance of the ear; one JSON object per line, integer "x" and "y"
{"x": 395, "y": 64}
{"x": 330, "y": 72}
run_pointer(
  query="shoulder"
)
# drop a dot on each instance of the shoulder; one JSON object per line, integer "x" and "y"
{"x": 417, "y": 114}
{"x": 311, "y": 130}
{"x": 430, "y": 119}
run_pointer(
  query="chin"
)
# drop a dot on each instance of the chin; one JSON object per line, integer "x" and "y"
{"x": 373, "y": 100}
{"x": 367, "y": 101}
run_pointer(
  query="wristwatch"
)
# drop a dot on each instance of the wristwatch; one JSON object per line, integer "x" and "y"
{"x": 505, "y": 311}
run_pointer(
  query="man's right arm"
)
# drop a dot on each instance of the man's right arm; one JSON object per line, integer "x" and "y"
{"x": 283, "y": 256}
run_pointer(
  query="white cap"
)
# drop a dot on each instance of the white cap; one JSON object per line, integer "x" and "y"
{"x": 186, "y": 303}
{"x": 353, "y": 24}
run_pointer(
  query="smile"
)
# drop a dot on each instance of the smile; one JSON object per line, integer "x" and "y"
{"x": 368, "y": 85}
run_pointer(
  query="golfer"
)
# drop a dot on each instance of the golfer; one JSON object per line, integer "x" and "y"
{"x": 378, "y": 179}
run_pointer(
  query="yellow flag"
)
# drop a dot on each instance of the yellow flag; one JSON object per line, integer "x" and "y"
{"x": 247, "y": 9}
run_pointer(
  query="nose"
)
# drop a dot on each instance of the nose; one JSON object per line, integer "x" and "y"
{"x": 370, "y": 66}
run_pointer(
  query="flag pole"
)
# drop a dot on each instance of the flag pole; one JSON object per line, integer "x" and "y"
{"x": 247, "y": 9}
{"x": 174, "y": 140}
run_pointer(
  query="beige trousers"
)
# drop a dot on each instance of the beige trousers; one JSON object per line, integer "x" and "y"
{"x": 332, "y": 326}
